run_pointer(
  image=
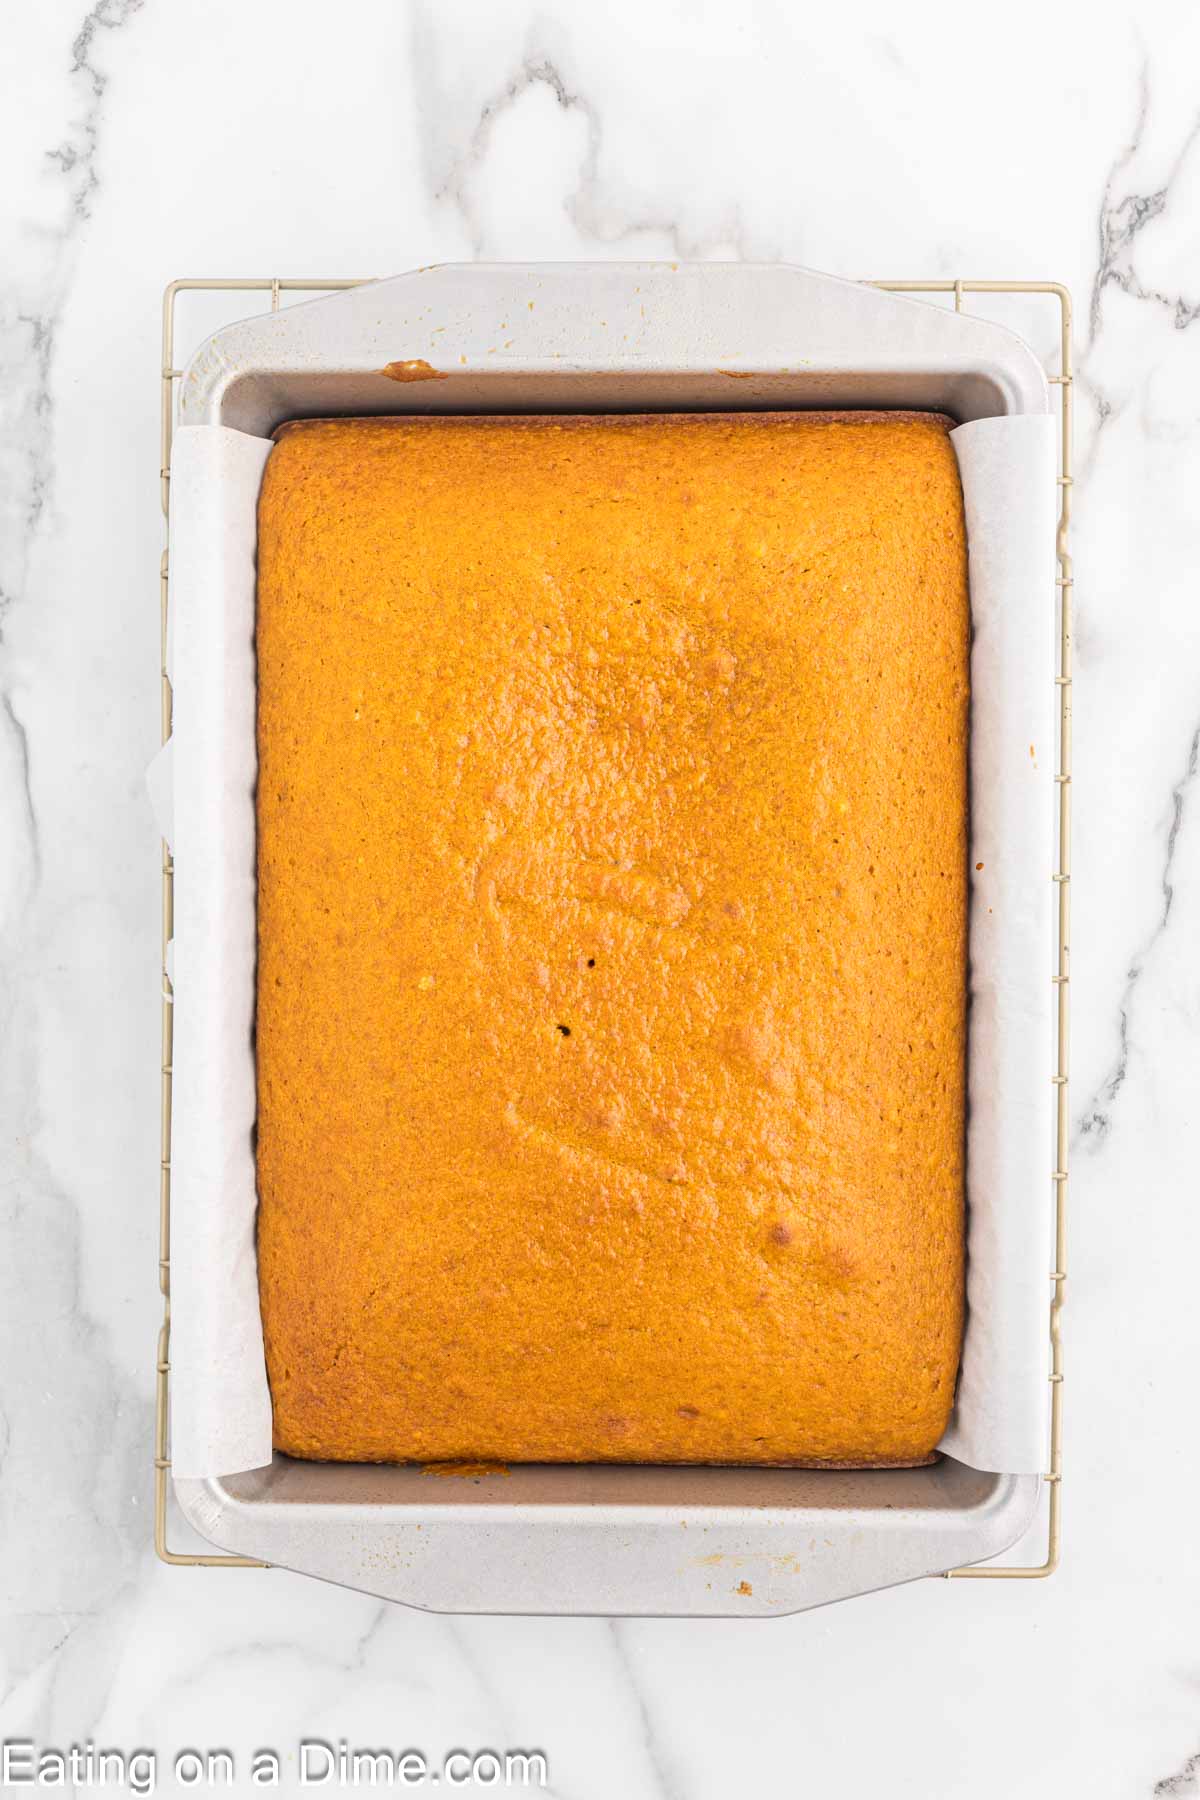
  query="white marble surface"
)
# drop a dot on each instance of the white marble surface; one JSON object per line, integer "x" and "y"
{"x": 142, "y": 141}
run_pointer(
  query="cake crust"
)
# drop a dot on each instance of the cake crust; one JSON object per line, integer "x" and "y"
{"x": 612, "y": 937}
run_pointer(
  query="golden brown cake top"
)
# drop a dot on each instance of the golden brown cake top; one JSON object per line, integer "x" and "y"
{"x": 612, "y": 898}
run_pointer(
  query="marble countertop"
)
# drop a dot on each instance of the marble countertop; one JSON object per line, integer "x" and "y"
{"x": 148, "y": 139}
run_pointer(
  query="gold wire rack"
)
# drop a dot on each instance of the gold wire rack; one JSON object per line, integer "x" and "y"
{"x": 276, "y": 287}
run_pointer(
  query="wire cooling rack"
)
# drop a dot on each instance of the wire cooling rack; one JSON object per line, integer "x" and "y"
{"x": 276, "y": 287}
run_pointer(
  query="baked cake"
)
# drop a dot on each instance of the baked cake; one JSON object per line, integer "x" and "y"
{"x": 612, "y": 937}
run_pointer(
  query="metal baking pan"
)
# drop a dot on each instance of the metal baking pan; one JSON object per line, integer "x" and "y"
{"x": 607, "y": 1540}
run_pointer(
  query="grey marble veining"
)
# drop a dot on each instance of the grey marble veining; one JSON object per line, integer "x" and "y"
{"x": 146, "y": 139}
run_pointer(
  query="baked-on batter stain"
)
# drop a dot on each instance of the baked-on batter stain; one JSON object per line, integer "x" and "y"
{"x": 474, "y": 1471}
{"x": 414, "y": 368}
{"x": 522, "y": 707}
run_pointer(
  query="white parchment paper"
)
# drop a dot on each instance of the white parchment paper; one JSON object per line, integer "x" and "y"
{"x": 1008, "y": 474}
{"x": 221, "y": 1413}
{"x": 220, "y": 1403}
